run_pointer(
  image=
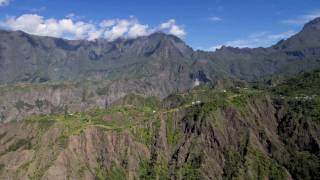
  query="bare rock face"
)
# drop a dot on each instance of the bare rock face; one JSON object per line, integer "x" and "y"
{"x": 97, "y": 150}
{"x": 77, "y": 157}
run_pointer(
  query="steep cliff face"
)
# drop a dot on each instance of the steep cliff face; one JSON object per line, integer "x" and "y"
{"x": 27, "y": 58}
{"x": 44, "y": 151}
{"x": 158, "y": 57}
{"x": 22, "y": 100}
{"x": 240, "y": 133}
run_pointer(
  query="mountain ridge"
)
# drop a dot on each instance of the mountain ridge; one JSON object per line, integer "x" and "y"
{"x": 97, "y": 73}
{"x": 90, "y": 59}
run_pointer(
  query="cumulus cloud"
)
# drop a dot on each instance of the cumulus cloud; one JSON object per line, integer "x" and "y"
{"x": 4, "y": 2}
{"x": 70, "y": 28}
{"x": 172, "y": 28}
{"x": 301, "y": 20}
{"x": 259, "y": 39}
{"x": 107, "y": 23}
{"x": 35, "y": 24}
{"x": 138, "y": 30}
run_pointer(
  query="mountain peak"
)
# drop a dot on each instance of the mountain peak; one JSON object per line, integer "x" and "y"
{"x": 309, "y": 37}
{"x": 313, "y": 23}
{"x": 163, "y": 35}
{"x": 166, "y": 45}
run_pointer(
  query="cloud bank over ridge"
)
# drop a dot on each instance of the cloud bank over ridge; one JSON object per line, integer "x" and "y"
{"x": 70, "y": 28}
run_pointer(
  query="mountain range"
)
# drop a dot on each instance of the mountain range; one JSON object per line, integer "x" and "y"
{"x": 154, "y": 108}
{"x": 154, "y": 58}
{"x": 83, "y": 74}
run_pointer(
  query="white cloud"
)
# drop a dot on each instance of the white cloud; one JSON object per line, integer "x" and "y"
{"x": 167, "y": 24}
{"x": 107, "y": 23}
{"x": 138, "y": 30}
{"x": 259, "y": 39}
{"x": 35, "y": 24}
{"x": 214, "y": 19}
{"x": 71, "y": 28}
{"x": 4, "y": 2}
{"x": 301, "y": 20}
{"x": 172, "y": 28}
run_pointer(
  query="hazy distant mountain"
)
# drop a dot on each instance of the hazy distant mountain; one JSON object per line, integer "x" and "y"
{"x": 158, "y": 57}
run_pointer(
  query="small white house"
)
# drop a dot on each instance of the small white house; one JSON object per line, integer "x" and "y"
{"x": 198, "y": 102}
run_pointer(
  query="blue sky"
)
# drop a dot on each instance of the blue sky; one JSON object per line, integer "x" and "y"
{"x": 203, "y": 24}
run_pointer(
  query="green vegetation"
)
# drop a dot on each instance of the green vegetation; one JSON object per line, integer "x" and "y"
{"x": 3, "y": 135}
{"x": 40, "y": 103}
{"x": 44, "y": 122}
{"x": 140, "y": 119}
{"x": 37, "y": 76}
{"x": 150, "y": 169}
{"x": 2, "y": 166}
{"x": 25, "y": 166}
{"x": 25, "y": 143}
{"x": 190, "y": 170}
{"x": 233, "y": 163}
{"x": 162, "y": 169}
{"x": 62, "y": 141}
{"x": 114, "y": 173}
{"x": 197, "y": 122}
{"x": 263, "y": 167}
{"x": 307, "y": 84}
{"x": 173, "y": 130}
{"x": 252, "y": 165}
{"x": 21, "y": 105}
{"x": 310, "y": 108}
{"x": 102, "y": 91}
{"x": 145, "y": 170}
{"x": 303, "y": 165}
